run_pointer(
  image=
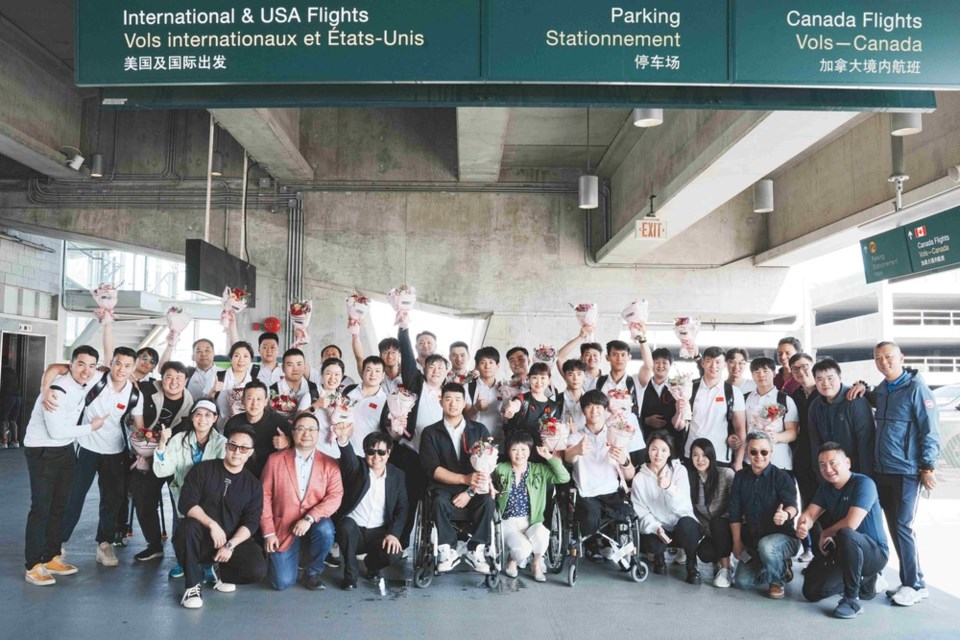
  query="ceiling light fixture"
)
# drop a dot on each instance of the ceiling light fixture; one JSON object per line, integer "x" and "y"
{"x": 647, "y": 117}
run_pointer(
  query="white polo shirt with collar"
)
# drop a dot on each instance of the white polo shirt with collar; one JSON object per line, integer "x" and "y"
{"x": 710, "y": 418}
{"x": 594, "y": 473}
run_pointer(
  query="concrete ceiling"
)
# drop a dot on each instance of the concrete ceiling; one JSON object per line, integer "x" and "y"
{"x": 48, "y": 22}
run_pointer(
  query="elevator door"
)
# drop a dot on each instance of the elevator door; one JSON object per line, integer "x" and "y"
{"x": 24, "y": 356}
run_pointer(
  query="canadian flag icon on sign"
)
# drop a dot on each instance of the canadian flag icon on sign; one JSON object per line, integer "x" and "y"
{"x": 920, "y": 231}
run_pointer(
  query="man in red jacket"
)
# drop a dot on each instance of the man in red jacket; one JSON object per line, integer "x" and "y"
{"x": 302, "y": 489}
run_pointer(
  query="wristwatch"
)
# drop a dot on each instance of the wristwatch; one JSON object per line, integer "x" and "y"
{"x": 471, "y": 492}
{"x": 229, "y": 546}
{"x": 308, "y": 518}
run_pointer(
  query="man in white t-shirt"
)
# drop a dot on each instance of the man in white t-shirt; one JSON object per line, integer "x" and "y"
{"x": 590, "y": 354}
{"x": 569, "y": 398}
{"x": 595, "y": 468}
{"x": 773, "y": 412}
{"x": 618, "y": 355}
{"x": 483, "y": 404}
{"x": 717, "y": 412}
{"x": 426, "y": 347}
{"x": 331, "y": 352}
{"x": 103, "y": 453}
{"x": 459, "y": 356}
{"x": 369, "y": 400}
{"x": 203, "y": 375}
{"x": 294, "y": 385}
{"x": 270, "y": 369}
{"x": 738, "y": 363}
{"x": 389, "y": 349}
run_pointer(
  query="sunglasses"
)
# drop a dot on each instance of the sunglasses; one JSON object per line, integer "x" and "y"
{"x": 759, "y": 452}
{"x": 234, "y": 447}
{"x": 376, "y": 452}
{"x": 147, "y": 358}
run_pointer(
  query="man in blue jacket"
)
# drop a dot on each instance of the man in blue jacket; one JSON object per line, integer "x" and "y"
{"x": 907, "y": 447}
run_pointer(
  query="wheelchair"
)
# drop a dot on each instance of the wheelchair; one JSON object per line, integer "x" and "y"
{"x": 566, "y": 542}
{"x": 424, "y": 545}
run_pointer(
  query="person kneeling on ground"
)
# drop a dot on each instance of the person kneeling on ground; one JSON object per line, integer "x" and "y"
{"x": 374, "y": 507}
{"x": 854, "y": 548}
{"x": 301, "y": 491}
{"x": 223, "y": 503}
{"x": 522, "y": 498}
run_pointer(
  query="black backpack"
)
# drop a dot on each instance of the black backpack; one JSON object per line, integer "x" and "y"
{"x": 95, "y": 392}
{"x": 222, "y": 375}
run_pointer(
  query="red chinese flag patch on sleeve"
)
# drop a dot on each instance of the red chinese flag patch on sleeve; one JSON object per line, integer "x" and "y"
{"x": 373, "y": 405}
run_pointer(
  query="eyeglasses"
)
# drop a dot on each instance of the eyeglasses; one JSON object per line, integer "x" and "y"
{"x": 146, "y": 357}
{"x": 763, "y": 453}
{"x": 376, "y": 452}
{"x": 799, "y": 368}
{"x": 234, "y": 447}
{"x": 301, "y": 429}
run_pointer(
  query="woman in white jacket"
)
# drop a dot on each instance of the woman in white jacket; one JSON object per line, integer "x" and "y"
{"x": 661, "y": 499}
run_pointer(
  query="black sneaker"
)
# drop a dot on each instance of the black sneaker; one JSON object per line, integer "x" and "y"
{"x": 868, "y": 587}
{"x": 693, "y": 577}
{"x": 659, "y": 564}
{"x": 149, "y": 554}
{"x": 348, "y": 585}
{"x": 313, "y": 582}
{"x": 788, "y": 572}
{"x": 372, "y": 575}
{"x": 332, "y": 562}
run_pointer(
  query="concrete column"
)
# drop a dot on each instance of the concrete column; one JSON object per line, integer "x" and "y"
{"x": 481, "y": 132}
{"x": 271, "y": 136}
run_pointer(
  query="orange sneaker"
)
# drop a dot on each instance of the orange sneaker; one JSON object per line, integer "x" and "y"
{"x": 39, "y": 576}
{"x": 58, "y": 567}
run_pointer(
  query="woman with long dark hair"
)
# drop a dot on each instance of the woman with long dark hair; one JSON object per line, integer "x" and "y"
{"x": 710, "y": 495}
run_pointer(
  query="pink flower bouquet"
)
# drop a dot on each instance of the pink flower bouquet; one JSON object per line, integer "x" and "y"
{"x": 620, "y": 432}
{"x": 635, "y": 315}
{"x": 483, "y": 458}
{"x": 339, "y": 411}
{"x": 399, "y": 405}
{"x": 177, "y": 319}
{"x": 545, "y": 353}
{"x": 686, "y": 329}
{"x": 300, "y": 313}
{"x": 358, "y": 307}
{"x": 681, "y": 387}
{"x": 106, "y": 298}
{"x": 144, "y": 443}
{"x": 587, "y": 314}
{"x": 234, "y": 301}
{"x": 402, "y": 299}
{"x": 619, "y": 401}
{"x": 554, "y": 433}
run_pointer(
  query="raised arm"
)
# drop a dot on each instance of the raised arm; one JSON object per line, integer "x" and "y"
{"x": 357, "y": 345}
{"x": 564, "y": 354}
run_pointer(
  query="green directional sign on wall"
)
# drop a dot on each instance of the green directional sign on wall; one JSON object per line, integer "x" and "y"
{"x": 934, "y": 242}
{"x": 665, "y": 42}
{"x": 845, "y": 43}
{"x": 885, "y": 256}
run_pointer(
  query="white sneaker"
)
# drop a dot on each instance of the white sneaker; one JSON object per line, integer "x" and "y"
{"x": 722, "y": 579}
{"x": 882, "y": 585}
{"x": 681, "y": 557}
{"x": 106, "y": 556}
{"x": 511, "y": 569}
{"x": 479, "y": 561}
{"x": 446, "y": 558}
{"x": 907, "y": 597}
{"x": 806, "y": 556}
{"x": 191, "y": 598}
{"x": 224, "y": 587}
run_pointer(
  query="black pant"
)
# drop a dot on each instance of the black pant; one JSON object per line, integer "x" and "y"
{"x": 51, "y": 474}
{"x": 408, "y": 461}
{"x": 194, "y": 546}
{"x": 686, "y": 535}
{"x": 855, "y": 556}
{"x": 146, "y": 488}
{"x": 109, "y": 470}
{"x": 589, "y": 512}
{"x": 718, "y": 543}
{"x": 354, "y": 540}
{"x": 479, "y": 511}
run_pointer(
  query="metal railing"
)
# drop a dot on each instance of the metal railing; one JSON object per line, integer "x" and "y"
{"x": 927, "y": 317}
{"x": 934, "y": 364}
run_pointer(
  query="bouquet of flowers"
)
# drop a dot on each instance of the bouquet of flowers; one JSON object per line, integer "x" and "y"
{"x": 686, "y": 329}
{"x": 340, "y": 410}
{"x": 234, "y": 301}
{"x": 554, "y": 433}
{"x": 681, "y": 386}
{"x": 402, "y": 299}
{"x": 619, "y": 401}
{"x": 483, "y": 458}
{"x": 177, "y": 319}
{"x": 545, "y": 353}
{"x": 283, "y": 404}
{"x": 463, "y": 378}
{"x": 106, "y": 298}
{"x": 508, "y": 390}
{"x": 587, "y": 314}
{"x": 769, "y": 413}
{"x": 399, "y": 405}
{"x": 300, "y": 312}
{"x": 635, "y": 315}
{"x": 358, "y": 306}
{"x": 620, "y": 433}
{"x": 143, "y": 442}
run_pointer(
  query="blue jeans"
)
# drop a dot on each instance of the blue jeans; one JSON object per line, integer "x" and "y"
{"x": 899, "y": 496}
{"x": 282, "y": 565}
{"x": 768, "y": 562}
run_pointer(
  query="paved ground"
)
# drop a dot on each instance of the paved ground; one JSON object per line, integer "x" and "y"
{"x": 139, "y": 601}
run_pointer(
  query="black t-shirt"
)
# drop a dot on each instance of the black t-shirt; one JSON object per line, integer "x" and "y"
{"x": 231, "y": 499}
{"x": 529, "y": 420}
{"x": 264, "y": 431}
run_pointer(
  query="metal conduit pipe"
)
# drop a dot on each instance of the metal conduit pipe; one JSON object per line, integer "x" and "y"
{"x": 294, "y": 258}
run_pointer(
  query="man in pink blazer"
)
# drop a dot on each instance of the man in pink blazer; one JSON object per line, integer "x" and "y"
{"x": 301, "y": 490}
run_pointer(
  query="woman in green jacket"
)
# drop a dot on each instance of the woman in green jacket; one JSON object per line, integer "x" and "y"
{"x": 522, "y": 497}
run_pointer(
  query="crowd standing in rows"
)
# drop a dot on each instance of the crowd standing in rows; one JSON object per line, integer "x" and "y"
{"x": 271, "y": 464}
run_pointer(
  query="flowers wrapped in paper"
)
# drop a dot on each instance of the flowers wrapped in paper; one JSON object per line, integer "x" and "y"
{"x": 635, "y": 315}
{"x": 483, "y": 459}
{"x": 681, "y": 387}
{"x": 399, "y": 404}
{"x": 358, "y": 308}
{"x": 619, "y": 401}
{"x": 144, "y": 443}
{"x": 402, "y": 299}
{"x": 587, "y": 314}
{"x": 508, "y": 390}
{"x": 620, "y": 432}
{"x": 339, "y": 411}
{"x": 769, "y": 413}
{"x": 464, "y": 378}
{"x": 686, "y": 329}
{"x": 554, "y": 433}
{"x": 177, "y": 319}
{"x": 545, "y": 353}
{"x": 234, "y": 301}
{"x": 284, "y": 404}
{"x": 106, "y": 298}
{"x": 300, "y": 313}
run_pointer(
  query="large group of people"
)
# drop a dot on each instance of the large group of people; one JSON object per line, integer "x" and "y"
{"x": 273, "y": 464}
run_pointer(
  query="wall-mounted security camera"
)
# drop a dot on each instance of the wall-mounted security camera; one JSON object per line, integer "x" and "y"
{"x": 75, "y": 157}
{"x": 954, "y": 172}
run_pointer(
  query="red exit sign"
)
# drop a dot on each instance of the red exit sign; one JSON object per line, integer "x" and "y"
{"x": 651, "y": 229}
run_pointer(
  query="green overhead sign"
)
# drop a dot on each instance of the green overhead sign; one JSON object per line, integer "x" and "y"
{"x": 926, "y": 245}
{"x": 812, "y": 43}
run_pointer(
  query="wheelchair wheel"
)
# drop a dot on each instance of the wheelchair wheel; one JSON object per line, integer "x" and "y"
{"x": 572, "y": 573}
{"x": 556, "y": 548}
{"x": 423, "y": 576}
{"x": 418, "y": 537}
{"x": 492, "y": 580}
{"x": 639, "y": 571}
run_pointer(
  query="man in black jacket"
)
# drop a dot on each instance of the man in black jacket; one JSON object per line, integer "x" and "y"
{"x": 445, "y": 455}
{"x": 223, "y": 503}
{"x": 374, "y": 508}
